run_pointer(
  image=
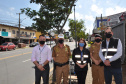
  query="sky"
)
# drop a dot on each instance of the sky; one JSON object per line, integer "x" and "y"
{"x": 86, "y": 10}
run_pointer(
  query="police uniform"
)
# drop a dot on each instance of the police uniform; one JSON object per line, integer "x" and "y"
{"x": 62, "y": 56}
{"x": 97, "y": 70}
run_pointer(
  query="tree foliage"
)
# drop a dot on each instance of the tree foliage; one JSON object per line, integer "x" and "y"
{"x": 52, "y": 14}
{"x": 80, "y": 28}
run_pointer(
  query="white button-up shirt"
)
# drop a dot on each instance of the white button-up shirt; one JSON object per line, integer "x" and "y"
{"x": 41, "y": 54}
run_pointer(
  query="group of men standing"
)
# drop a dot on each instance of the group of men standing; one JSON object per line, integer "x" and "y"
{"x": 41, "y": 56}
{"x": 106, "y": 59}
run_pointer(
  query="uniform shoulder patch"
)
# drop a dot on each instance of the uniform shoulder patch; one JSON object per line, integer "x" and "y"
{"x": 92, "y": 45}
{"x": 66, "y": 47}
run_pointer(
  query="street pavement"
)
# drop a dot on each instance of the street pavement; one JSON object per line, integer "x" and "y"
{"x": 16, "y": 66}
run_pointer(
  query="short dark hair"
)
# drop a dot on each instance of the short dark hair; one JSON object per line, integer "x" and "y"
{"x": 41, "y": 35}
{"x": 108, "y": 27}
{"x": 82, "y": 40}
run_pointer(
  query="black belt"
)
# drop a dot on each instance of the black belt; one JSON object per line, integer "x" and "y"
{"x": 61, "y": 64}
{"x": 101, "y": 64}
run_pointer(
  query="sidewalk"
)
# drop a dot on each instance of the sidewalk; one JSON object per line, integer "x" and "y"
{"x": 27, "y": 46}
{"x": 89, "y": 77}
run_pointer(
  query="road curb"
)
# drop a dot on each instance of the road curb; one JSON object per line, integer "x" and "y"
{"x": 23, "y": 47}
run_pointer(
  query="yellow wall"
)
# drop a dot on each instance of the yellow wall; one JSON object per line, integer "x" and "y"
{"x": 37, "y": 36}
{"x": 56, "y": 36}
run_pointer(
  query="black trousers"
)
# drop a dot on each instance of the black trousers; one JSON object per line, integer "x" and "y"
{"x": 44, "y": 74}
{"x": 81, "y": 76}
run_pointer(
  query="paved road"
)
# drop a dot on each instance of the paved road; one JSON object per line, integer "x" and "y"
{"x": 16, "y": 66}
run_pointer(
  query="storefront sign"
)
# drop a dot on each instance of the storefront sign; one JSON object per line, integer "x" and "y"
{"x": 4, "y": 33}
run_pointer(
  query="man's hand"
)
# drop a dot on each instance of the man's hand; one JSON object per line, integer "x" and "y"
{"x": 97, "y": 62}
{"x": 100, "y": 61}
{"x": 107, "y": 63}
{"x": 82, "y": 66}
{"x": 40, "y": 67}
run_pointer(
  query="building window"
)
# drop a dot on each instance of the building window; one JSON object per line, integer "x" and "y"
{"x": 33, "y": 34}
{"x": 30, "y": 34}
{"x": 4, "y": 30}
{"x": 25, "y": 33}
{"x": 22, "y": 32}
{"x": 13, "y": 31}
{"x": 17, "y": 32}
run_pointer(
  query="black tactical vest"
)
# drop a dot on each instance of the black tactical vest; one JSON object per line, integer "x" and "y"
{"x": 111, "y": 51}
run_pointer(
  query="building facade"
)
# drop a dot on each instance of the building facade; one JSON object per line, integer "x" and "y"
{"x": 11, "y": 34}
{"x": 97, "y": 22}
{"x": 114, "y": 19}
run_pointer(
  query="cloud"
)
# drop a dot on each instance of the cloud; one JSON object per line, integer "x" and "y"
{"x": 77, "y": 15}
{"x": 116, "y": 9}
{"x": 11, "y": 8}
{"x": 107, "y": 2}
{"x": 66, "y": 27}
{"x": 89, "y": 18}
{"x": 80, "y": 6}
{"x": 96, "y": 9}
{"x": 1, "y": 10}
{"x": 34, "y": 6}
{"x": 89, "y": 28}
{"x": 93, "y": 0}
{"x": 10, "y": 14}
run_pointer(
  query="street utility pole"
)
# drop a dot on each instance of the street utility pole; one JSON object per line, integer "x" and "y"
{"x": 19, "y": 28}
{"x": 75, "y": 28}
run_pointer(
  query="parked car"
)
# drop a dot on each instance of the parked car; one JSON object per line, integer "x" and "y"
{"x": 34, "y": 44}
{"x": 48, "y": 42}
{"x": 7, "y": 46}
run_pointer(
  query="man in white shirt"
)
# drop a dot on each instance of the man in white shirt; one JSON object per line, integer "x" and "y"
{"x": 41, "y": 55}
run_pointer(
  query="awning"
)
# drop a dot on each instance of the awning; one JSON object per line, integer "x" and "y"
{"x": 26, "y": 38}
{"x": 7, "y": 37}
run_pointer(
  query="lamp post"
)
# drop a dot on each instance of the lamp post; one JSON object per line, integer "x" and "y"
{"x": 75, "y": 27}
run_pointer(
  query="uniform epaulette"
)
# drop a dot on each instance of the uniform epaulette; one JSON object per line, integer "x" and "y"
{"x": 66, "y": 45}
{"x": 53, "y": 47}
